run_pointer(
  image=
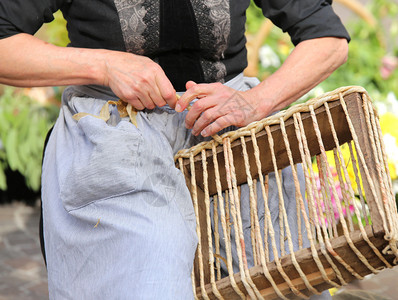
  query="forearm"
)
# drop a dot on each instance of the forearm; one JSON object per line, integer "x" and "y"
{"x": 310, "y": 63}
{"x": 27, "y": 61}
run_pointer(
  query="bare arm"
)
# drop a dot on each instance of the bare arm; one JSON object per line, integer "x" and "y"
{"x": 26, "y": 61}
{"x": 310, "y": 63}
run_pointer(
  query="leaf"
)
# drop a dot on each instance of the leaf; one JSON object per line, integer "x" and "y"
{"x": 33, "y": 174}
{"x": 11, "y": 147}
{"x": 9, "y": 118}
{"x": 3, "y": 179}
{"x": 23, "y": 152}
{"x": 22, "y": 118}
{"x": 4, "y": 125}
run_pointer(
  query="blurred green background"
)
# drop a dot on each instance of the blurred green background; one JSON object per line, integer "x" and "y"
{"x": 27, "y": 114}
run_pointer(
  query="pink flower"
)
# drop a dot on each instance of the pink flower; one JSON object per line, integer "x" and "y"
{"x": 388, "y": 65}
{"x": 339, "y": 193}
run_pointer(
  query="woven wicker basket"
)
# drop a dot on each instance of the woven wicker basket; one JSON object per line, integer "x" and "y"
{"x": 347, "y": 224}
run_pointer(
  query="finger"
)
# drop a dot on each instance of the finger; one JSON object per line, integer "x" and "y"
{"x": 205, "y": 119}
{"x": 156, "y": 96}
{"x": 196, "y": 91}
{"x": 202, "y": 115}
{"x": 166, "y": 89}
{"x": 132, "y": 98}
{"x": 235, "y": 118}
{"x": 149, "y": 90}
{"x": 190, "y": 84}
{"x": 219, "y": 124}
{"x": 142, "y": 94}
{"x": 197, "y": 110}
{"x": 137, "y": 91}
{"x": 137, "y": 104}
{"x": 146, "y": 100}
{"x": 199, "y": 107}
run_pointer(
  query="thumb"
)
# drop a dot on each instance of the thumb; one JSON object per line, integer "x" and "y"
{"x": 184, "y": 101}
{"x": 190, "y": 84}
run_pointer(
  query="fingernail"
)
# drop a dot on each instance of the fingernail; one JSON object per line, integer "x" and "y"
{"x": 178, "y": 108}
{"x": 204, "y": 133}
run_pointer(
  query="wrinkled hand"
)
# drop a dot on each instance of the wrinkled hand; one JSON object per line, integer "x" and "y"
{"x": 138, "y": 80}
{"x": 217, "y": 107}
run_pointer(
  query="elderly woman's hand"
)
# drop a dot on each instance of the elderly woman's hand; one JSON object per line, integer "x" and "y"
{"x": 219, "y": 106}
{"x": 138, "y": 80}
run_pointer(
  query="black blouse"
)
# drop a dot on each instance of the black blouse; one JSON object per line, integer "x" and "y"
{"x": 200, "y": 40}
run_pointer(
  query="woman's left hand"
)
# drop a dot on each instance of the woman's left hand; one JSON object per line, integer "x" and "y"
{"x": 218, "y": 106}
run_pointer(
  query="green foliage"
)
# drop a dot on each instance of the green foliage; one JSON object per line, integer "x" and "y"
{"x": 23, "y": 127}
{"x": 56, "y": 32}
{"x": 254, "y": 17}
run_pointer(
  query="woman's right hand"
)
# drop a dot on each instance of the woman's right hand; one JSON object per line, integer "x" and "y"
{"x": 138, "y": 80}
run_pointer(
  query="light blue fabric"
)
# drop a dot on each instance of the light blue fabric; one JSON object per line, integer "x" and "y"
{"x": 118, "y": 217}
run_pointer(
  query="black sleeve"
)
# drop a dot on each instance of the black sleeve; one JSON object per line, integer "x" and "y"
{"x": 304, "y": 19}
{"x": 26, "y": 16}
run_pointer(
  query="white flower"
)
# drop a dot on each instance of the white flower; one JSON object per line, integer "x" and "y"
{"x": 391, "y": 145}
{"x": 381, "y": 107}
{"x": 390, "y": 104}
{"x": 268, "y": 57}
{"x": 391, "y": 149}
{"x": 395, "y": 186}
{"x": 315, "y": 92}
